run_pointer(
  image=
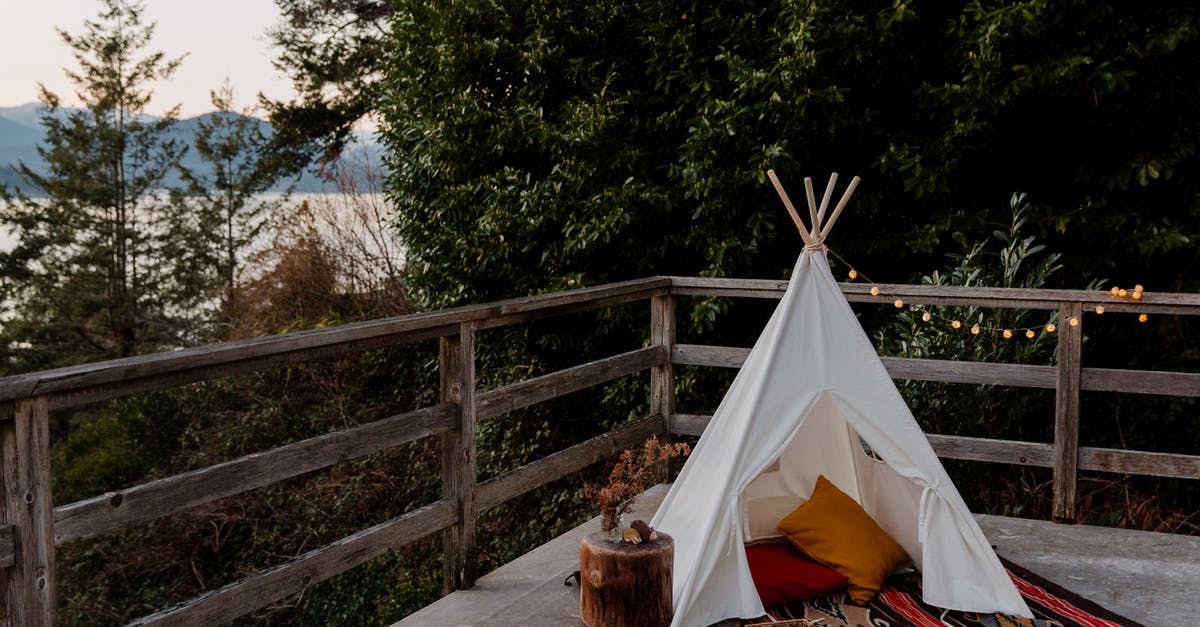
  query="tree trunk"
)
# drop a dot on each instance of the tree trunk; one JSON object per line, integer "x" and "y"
{"x": 624, "y": 584}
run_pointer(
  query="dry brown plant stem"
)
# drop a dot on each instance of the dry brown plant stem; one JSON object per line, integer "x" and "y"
{"x": 628, "y": 479}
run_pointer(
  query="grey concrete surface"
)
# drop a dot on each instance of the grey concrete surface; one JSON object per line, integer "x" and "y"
{"x": 1153, "y": 578}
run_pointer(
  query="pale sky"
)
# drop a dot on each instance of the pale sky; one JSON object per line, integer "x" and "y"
{"x": 222, "y": 38}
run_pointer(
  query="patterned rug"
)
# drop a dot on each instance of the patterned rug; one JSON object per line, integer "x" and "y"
{"x": 899, "y": 604}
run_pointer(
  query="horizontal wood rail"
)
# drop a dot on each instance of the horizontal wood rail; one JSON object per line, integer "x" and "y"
{"x": 30, "y": 528}
{"x": 554, "y": 385}
{"x": 1021, "y": 453}
{"x": 78, "y": 385}
{"x": 1002, "y": 297}
{"x": 124, "y": 508}
{"x": 980, "y": 373}
{"x": 275, "y": 584}
{"x": 557, "y": 465}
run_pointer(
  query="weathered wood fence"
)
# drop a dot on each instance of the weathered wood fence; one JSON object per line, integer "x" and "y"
{"x": 31, "y": 527}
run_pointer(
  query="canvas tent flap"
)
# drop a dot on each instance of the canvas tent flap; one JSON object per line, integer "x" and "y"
{"x": 960, "y": 546}
{"x": 811, "y": 387}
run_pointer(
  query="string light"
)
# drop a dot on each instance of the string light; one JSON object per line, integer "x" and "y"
{"x": 977, "y": 329}
{"x": 1136, "y": 294}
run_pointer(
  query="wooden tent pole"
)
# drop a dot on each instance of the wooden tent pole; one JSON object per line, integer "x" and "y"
{"x": 787, "y": 203}
{"x": 828, "y": 195}
{"x": 812, "y": 206}
{"x": 841, "y": 205}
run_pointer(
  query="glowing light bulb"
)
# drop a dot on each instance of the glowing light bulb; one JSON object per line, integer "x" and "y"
{"x": 975, "y": 330}
{"x": 899, "y": 303}
{"x": 1050, "y": 328}
{"x": 1115, "y": 290}
{"x": 1099, "y": 309}
{"x": 853, "y": 275}
{"x": 1123, "y": 293}
{"x": 1074, "y": 321}
{"x": 926, "y": 317}
{"x": 1136, "y": 296}
{"x": 874, "y": 291}
{"x": 956, "y": 324}
{"x": 1143, "y": 317}
{"x": 1007, "y": 334}
{"x": 1029, "y": 334}
{"x": 1138, "y": 288}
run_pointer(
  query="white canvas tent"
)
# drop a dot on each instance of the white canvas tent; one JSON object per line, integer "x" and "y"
{"x": 808, "y": 397}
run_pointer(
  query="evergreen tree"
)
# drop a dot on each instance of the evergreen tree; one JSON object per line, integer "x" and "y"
{"x": 231, "y": 210}
{"x": 93, "y": 276}
{"x": 334, "y": 51}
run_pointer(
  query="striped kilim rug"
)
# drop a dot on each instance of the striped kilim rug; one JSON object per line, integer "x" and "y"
{"x": 899, "y": 604}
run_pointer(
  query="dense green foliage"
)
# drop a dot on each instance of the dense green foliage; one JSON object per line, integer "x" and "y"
{"x": 564, "y": 143}
{"x": 1008, "y": 259}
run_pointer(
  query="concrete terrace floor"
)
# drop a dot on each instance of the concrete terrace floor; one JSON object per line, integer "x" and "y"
{"x": 1153, "y": 578}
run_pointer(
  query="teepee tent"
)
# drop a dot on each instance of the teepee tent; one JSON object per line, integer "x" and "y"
{"x": 813, "y": 399}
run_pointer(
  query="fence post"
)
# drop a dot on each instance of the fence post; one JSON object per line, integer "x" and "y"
{"x": 457, "y": 366}
{"x": 662, "y": 377}
{"x": 1066, "y": 411}
{"x": 27, "y": 508}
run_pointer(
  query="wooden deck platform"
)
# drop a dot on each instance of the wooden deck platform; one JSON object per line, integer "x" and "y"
{"x": 1153, "y": 578}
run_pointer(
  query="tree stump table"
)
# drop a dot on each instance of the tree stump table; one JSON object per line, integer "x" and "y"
{"x": 624, "y": 584}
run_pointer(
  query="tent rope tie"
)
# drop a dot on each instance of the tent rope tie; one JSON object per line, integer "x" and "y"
{"x": 816, "y": 247}
{"x": 923, "y": 516}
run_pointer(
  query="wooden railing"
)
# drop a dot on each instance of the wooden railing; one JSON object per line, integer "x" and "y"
{"x": 30, "y": 528}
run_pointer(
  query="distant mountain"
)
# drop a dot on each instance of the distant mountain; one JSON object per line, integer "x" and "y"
{"x": 28, "y": 114}
{"x": 14, "y": 133}
{"x": 21, "y": 132}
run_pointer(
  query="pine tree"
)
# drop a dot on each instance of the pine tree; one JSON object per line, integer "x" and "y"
{"x": 334, "y": 52}
{"x": 92, "y": 275}
{"x": 228, "y": 194}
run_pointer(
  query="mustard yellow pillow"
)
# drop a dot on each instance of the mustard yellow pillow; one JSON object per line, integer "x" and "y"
{"x": 833, "y": 529}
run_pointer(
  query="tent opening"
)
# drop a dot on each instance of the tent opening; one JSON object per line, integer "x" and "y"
{"x": 824, "y": 443}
